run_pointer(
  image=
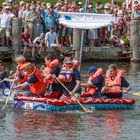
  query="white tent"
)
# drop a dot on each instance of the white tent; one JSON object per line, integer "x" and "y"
{"x": 85, "y": 20}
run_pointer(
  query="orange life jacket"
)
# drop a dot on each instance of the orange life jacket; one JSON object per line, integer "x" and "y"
{"x": 24, "y": 65}
{"x": 48, "y": 70}
{"x": 98, "y": 73}
{"x": 25, "y": 78}
{"x": 66, "y": 74}
{"x": 114, "y": 86}
{"x": 38, "y": 87}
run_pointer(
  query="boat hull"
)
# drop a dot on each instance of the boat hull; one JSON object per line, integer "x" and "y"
{"x": 51, "y": 104}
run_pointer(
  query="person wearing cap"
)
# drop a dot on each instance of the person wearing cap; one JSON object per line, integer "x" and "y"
{"x": 114, "y": 83}
{"x": 94, "y": 84}
{"x": 70, "y": 77}
{"x": 80, "y": 4}
{"x": 70, "y": 54}
{"x": 35, "y": 81}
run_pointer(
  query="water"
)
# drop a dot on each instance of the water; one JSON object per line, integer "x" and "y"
{"x": 76, "y": 125}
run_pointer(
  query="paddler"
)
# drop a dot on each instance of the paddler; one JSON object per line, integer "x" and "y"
{"x": 114, "y": 83}
{"x": 71, "y": 79}
{"x": 21, "y": 77}
{"x": 4, "y": 85}
{"x": 94, "y": 84}
{"x": 35, "y": 80}
{"x": 52, "y": 67}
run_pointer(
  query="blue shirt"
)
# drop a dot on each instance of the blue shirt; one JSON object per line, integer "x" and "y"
{"x": 55, "y": 86}
{"x": 32, "y": 79}
{"x": 5, "y": 84}
{"x": 70, "y": 86}
{"x": 98, "y": 82}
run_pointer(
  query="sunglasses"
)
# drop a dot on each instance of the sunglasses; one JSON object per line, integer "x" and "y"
{"x": 68, "y": 63}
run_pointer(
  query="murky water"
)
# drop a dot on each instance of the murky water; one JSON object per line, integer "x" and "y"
{"x": 76, "y": 125}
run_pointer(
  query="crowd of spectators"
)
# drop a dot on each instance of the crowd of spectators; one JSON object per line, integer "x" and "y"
{"x": 40, "y": 20}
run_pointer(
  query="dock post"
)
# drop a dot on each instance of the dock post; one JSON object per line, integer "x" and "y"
{"x": 16, "y": 35}
{"x": 77, "y": 34}
{"x": 135, "y": 40}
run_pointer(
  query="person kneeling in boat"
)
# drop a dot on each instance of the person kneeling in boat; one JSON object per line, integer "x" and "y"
{"x": 20, "y": 77}
{"x": 70, "y": 78}
{"x": 4, "y": 85}
{"x": 52, "y": 67}
{"x": 114, "y": 83}
{"x": 35, "y": 80}
{"x": 94, "y": 84}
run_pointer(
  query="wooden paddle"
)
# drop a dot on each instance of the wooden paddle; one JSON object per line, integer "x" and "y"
{"x": 83, "y": 107}
{"x": 136, "y": 93}
{"x": 10, "y": 92}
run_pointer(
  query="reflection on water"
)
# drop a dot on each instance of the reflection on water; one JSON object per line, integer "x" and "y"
{"x": 76, "y": 125}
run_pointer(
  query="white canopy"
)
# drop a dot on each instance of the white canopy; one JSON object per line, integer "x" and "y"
{"x": 85, "y": 20}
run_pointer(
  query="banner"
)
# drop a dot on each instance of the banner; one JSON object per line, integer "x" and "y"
{"x": 85, "y": 20}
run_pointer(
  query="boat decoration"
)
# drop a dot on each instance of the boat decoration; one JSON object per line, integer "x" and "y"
{"x": 51, "y": 104}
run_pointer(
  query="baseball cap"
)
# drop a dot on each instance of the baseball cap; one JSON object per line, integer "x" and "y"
{"x": 91, "y": 69}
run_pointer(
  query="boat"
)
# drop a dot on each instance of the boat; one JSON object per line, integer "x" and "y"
{"x": 51, "y": 104}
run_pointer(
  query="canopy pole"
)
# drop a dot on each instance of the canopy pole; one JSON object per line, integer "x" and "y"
{"x": 81, "y": 48}
{"x": 82, "y": 37}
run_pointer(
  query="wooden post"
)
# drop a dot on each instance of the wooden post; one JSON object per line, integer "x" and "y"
{"x": 77, "y": 33}
{"x": 135, "y": 40}
{"x": 134, "y": 67}
{"x": 16, "y": 35}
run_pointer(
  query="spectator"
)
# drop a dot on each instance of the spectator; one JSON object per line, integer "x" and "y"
{"x": 5, "y": 23}
{"x": 31, "y": 20}
{"x": 26, "y": 40}
{"x": 51, "y": 40}
{"x": 39, "y": 45}
{"x": 136, "y": 13}
{"x": 40, "y": 22}
{"x": 115, "y": 38}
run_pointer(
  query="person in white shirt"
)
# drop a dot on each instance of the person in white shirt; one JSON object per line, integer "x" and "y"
{"x": 5, "y": 24}
{"x": 51, "y": 40}
{"x": 39, "y": 45}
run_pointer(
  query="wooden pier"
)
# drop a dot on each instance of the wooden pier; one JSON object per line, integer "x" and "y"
{"x": 88, "y": 53}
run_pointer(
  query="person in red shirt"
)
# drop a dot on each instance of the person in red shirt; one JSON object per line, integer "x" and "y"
{"x": 26, "y": 40}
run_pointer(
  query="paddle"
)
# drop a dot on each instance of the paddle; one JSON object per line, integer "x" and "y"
{"x": 136, "y": 94}
{"x": 10, "y": 92}
{"x": 83, "y": 107}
